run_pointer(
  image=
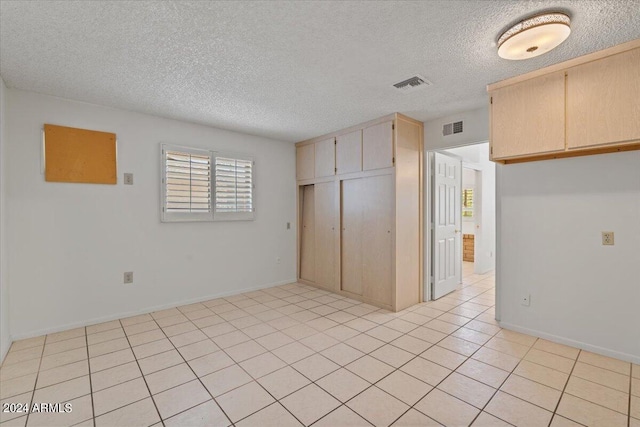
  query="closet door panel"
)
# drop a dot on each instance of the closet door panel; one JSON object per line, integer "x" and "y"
{"x": 307, "y": 235}
{"x": 377, "y": 239}
{"x": 325, "y": 213}
{"x": 351, "y": 236}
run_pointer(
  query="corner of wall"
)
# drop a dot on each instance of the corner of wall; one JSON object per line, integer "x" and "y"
{"x": 5, "y": 334}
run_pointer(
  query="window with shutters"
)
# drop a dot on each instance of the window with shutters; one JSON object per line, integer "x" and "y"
{"x": 201, "y": 185}
{"x": 233, "y": 187}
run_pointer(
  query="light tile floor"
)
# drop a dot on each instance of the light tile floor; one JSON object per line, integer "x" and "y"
{"x": 293, "y": 355}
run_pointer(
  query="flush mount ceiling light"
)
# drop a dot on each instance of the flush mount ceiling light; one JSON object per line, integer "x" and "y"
{"x": 534, "y": 36}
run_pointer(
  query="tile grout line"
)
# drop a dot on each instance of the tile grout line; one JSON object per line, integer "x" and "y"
{"x": 359, "y": 332}
{"x": 452, "y": 371}
{"x": 143, "y": 378}
{"x": 93, "y": 409}
{"x": 197, "y": 377}
{"x": 502, "y": 384}
{"x": 33, "y": 392}
{"x": 318, "y": 331}
{"x": 291, "y": 365}
{"x": 244, "y": 370}
{"x": 630, "y": 390}
{"x": 555, "y": 411}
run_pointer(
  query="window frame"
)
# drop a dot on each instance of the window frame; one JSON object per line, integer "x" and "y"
{"x": 212, "y": 215}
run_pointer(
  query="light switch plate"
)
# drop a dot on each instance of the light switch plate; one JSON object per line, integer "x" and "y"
{"x": 128, "y": 179}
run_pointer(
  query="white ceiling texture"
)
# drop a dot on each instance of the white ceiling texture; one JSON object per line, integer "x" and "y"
{"x": 286, "y": 70}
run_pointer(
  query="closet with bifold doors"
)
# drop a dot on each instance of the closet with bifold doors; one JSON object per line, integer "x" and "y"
{"x": 360, "y": 212}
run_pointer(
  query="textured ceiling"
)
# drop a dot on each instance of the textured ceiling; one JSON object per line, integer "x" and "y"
{"x": 285, "y": 70}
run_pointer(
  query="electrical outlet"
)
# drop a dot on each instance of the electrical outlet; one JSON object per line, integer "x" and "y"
{"x": 128, "y": 277}
{"x": 607, "y": 238}
{"x": 288, "y": 226}
{"x": 128, "y": 179}
{"x": 526, "y": 300}
{"x": 278, "y": 260}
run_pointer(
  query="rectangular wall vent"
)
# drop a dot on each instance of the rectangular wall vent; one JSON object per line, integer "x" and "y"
{"x": 452, "y": 128}
{"x": 412, "y": 84}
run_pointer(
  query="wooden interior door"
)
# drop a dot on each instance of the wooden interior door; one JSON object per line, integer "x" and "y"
{"x": 603, "y": 104}
{"x": 447, "y": 225}
{"x": 307, "y": 235}
{"x": 377, "y": 195}
{"x": 325, "y": 214}
{"x": 377, "y": 146}
{"x": 351, "y": 236}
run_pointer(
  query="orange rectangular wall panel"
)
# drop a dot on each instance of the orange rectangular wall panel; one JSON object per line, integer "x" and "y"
{"x": 79, "y": 155}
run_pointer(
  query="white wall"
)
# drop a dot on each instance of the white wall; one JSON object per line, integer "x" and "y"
{"x": 475, "y": 129}
{"x": 5, "y": 336}
{"x": 71, "y": 243}
{"x": 582, "y": 293}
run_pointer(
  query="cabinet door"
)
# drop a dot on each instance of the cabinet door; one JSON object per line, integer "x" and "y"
{"x": 528, "y": 118}
{"x": 325, "y": 158}
{"x": 377, "y": 238}
{"x": 349, "y": 152}
{"x": 377, "y": 146}
{"x": 603, "y": 104}
{"x": 307, "y": 235}
{"x": 305, "y": 163}
{"x": 351, "y": 236}
{"x": 325, "y": 214}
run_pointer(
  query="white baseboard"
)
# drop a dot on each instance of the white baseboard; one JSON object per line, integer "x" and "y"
{"x": 573, "y": 343}
{"x": 123, "y": 315}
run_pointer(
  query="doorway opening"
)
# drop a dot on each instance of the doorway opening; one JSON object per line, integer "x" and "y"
{"x": 461, "y": 209}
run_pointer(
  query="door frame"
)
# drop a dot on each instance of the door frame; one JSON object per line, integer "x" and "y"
{"x": 428, "y": 223}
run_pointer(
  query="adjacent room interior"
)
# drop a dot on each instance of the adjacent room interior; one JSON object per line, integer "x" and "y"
{"x": 307, "y": 213}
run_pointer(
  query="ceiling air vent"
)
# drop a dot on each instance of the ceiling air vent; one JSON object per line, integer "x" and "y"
{"x": 416, "y": 82}
{"x": 452, "y": 128}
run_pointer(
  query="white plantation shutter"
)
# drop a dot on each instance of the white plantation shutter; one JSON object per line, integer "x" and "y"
{"x": 200, "y": 185}
{"x": 233, "y": 187}
{"x": 186, "y": 184}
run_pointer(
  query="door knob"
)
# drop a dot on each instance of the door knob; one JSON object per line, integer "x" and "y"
{"x": 457, "y": 231}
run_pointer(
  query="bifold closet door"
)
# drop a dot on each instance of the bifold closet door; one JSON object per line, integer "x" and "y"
{"x": 325, "y": 214}
{"x": 351, "y": 236}
{"x": 307, "y": 235}
{"x": 377, "y": 237}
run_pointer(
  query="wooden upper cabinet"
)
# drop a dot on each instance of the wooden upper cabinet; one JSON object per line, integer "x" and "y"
{"x": 377, "y": 146}
{"x": 349, "y": 152}
{"x": 528, "y": 117}
{"x": 603, "y": 101}
{"x": 325, "y": 158}
{"x": 305, "y": 163}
